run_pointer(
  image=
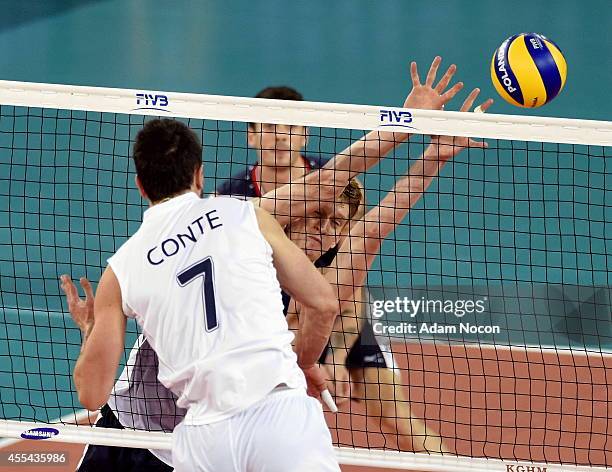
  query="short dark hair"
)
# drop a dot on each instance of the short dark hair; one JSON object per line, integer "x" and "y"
{"x": 167, "y": 153}
{"x": 280, "y": 92}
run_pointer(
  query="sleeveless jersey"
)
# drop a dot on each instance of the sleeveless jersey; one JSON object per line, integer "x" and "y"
{"x": 199, "y": 279}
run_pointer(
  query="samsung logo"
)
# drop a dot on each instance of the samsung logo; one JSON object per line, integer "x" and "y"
{"x": 39, "y": 433}
{"x": 150, "y": 101}
{"x": 396, "y": 118}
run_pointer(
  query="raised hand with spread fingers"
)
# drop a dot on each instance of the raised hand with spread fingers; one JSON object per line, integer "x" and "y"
{"x": 81, "y": 310}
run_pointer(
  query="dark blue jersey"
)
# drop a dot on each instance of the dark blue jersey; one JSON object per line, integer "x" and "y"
{"x": 244, "y": 183}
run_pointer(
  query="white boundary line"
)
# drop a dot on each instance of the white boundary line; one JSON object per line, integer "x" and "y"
{"x": 347, "y": 456}
{"x": 561, "y": 350}
{"x": 326, "y": 115}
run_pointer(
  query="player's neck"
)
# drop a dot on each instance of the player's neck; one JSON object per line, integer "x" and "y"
{"x": 272, "y": 177}
{"x": 163, "y": 200}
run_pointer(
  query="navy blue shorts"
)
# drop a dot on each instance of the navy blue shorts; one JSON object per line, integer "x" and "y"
{"x": 115, "y": 459}
{"x": 366, "y": 352}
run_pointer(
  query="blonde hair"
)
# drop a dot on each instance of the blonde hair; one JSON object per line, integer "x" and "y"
{"x": 354, "y": 195}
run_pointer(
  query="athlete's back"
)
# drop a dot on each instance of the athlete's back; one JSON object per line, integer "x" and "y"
{"x": 198, "y": 276}
{"x": 203, "y": 278}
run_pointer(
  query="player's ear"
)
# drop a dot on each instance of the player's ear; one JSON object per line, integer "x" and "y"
{"x": 251, "y": 135}
{"x": 141, "y": 188}
{"x": 198, "y": 179}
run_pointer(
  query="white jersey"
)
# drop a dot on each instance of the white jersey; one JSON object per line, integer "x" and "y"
{"x": 199, "y": 279}
{"x": 140, "y": 401}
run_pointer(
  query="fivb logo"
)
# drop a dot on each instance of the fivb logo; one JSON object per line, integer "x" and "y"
{"x": 524, "y": 468}
{"x": 150, "y": 101}
{"x": 395, "y": 118}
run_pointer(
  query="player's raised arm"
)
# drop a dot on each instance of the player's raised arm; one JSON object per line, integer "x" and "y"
{"x": 366, "y": 152}
{"x": 300, "y": 279}
{"x": 359, "y": 250}
{"x": 295, "y": 199}
{"x": 95, "y": 370}
{"x": 381, "y": 220}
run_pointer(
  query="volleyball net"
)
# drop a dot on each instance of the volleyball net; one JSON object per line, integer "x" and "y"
{"x": 489, "y": 302}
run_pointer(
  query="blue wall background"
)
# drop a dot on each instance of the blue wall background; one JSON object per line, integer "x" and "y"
{"x": 349, "y": 51}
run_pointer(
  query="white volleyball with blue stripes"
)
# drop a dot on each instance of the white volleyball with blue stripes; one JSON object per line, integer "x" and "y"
{"x": 528, "y": 70}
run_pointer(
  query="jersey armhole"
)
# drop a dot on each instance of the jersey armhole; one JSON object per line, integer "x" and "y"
{"x": 253, "y": 215}
{"x": 127, "y": 310}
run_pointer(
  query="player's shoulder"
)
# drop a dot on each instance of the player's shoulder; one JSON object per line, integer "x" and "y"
{"x": 229, "y": 200}
{"x": 238, "y": 184}
{"x": 119, "y": 260}
{"x": 235, "y": 208}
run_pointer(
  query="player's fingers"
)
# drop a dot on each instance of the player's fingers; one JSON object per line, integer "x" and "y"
{"x": 469, "y": 101}
{"x": 450, "y": 93}
{"x": 477, "y": 144}
{"x": 315, "y": 380}
{"x": 433, "y": 70}
{"x": 446, "y": 78}
{"x": 332, "y": 386}
{"x": 414, "y": 74}
{"x": 63, "y": 282}
{"x": 329, "y": 401}
{"x": 86, "y": 284}
{"x": 484, "y": 106}
{"x": 69, "y": 288}
{"x": 313, "y": 391}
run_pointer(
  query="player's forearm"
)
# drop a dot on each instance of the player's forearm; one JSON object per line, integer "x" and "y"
{"x": 314, "y": 333}
{"x": 94, "y": 372}
{"x": 299, "y": 198}
{"x": 393, "y": 208}
{"x": 363, "y": 154}
{"x": 85, "y": 332}
{"x": 410, "y": 188}
{"x": 344, "y": 335}
{"x": 91, "y": 388}
{"x": 296, "y": 199}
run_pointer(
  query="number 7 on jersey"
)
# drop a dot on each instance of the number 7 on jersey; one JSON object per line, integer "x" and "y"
{"x": 203, "y": 268}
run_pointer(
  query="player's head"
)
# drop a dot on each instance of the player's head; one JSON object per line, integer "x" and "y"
{"x": 168, "y": 159}
{"x": 277, "y": 145}
{"x": 323, "y": 229}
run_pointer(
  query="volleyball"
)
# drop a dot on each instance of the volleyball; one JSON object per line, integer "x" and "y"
{"x": 528, "y": 70}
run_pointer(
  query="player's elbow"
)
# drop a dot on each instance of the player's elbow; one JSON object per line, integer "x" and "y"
{"x": 90, "y": 395}
{"x": 326, "y": 304}
{"x": 372, "y": 231}
{"x": 91, "y": 398}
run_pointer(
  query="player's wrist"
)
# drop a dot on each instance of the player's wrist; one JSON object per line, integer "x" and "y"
{"x": 86, "y": 330}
